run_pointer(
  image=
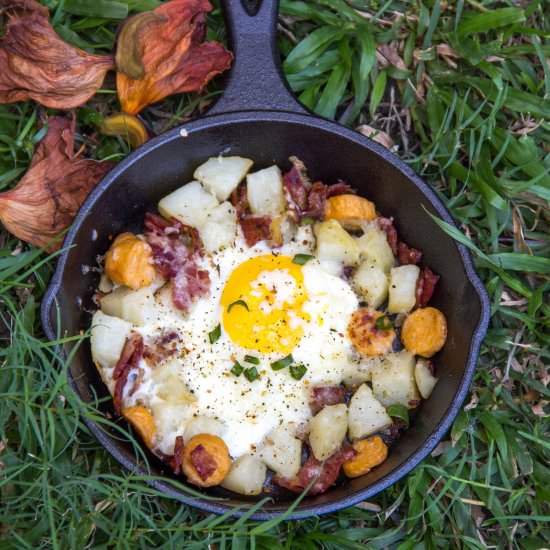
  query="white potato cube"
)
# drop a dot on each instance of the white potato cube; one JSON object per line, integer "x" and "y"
{"x": 366, "y": 414}
{"x": 203, "y": 425}
{"x": 168, "y": 386}
{"x": 246, "y": 477}
{"x": 425, "y": 380}
{"x": 170, "y": 420}
{"x": 393, "y": 380}
{"x": 281, "y": 452}
{"x": 334, "y": 243}
{"x": 265, "y": 191}
{"x": 135, "y": 306}
{"x": 357, "y": 373}
{"x": 107, "y": 339}
{"x": 221, "y": 175}
{"x": 375, "y": 249}
{"x": 189, "y": 204}
{"x": 220, "y": 228}
{"x": 402, "y": 289}
{"x": 372, "y": 282}
{"x": 327, "y": 430}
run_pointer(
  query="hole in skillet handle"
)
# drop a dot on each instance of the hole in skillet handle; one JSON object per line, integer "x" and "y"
{"x": 251, "y": 6}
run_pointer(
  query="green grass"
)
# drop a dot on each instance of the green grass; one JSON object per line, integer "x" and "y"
{"x": 476, "y": 125}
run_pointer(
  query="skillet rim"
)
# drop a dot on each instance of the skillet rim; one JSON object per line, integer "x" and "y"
{"x": 210, "y": 121}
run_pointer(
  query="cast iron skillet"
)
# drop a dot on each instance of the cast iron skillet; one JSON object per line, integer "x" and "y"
{"x": 258, "y": 117}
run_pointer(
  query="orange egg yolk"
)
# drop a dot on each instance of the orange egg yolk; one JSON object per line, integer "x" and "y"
{"x": 262, "y": 304}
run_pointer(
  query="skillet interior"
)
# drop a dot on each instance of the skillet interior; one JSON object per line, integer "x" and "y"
{"x": 330, "y": 152}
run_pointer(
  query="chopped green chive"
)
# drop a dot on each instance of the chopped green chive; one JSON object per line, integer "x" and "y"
{"x": 297, "y": 371}
{"x": 214, "y": 336}
{"x": 301, "y": 259}
{"x": 237, "y": 303}
{"x": 383, "y": 323}
{"x": 397, "y": 410}
{"x": 237, "y": 369}
{"x": 251, "y": 374}
{"x": 252, "y": 359}
{"x": 307, "y": 220}
{"x": 282, "y": 363}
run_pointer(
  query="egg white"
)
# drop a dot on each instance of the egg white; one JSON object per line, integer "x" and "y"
{"x": 198, "y": 380}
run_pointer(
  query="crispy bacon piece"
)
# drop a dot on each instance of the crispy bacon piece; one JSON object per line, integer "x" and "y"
{"x": 386, "y": 224}
{"x": 321, "y": 396}
{"x": 175, "y": 250}
{"x": 296, "y": 186}
{"x": 256, "y": 228}
{"x": 203, "y": 461}
{"x": 326, "y": 471}
{"x": 129, "y": 359}
{"x": 339, "y": 188}
{"x": 408, "y": 255}
{"x": 239, "y": 200}
{"x": 162, "y": 347}
{"x": 425, "y": 286}
{"x": 178, "y": 455}
{"x": 318, "y": 195}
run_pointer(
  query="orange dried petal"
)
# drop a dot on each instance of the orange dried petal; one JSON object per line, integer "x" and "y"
{"x": 52, "y": 190}
{"x": 173, "y": 54}
{"x": 35, "y": 63}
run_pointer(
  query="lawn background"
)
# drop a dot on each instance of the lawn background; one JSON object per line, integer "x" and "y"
{"x": 461, "y": 91}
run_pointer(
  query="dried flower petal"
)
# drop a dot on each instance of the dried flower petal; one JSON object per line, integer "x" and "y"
{"x": 174, "y": 55}
{"x": 35, "y": 63}
{"x": 127, "y": 126}
{"x": 52, "y": 190}
{"x": 128, "y": 54}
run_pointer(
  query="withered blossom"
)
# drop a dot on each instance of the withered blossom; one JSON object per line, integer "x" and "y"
{"x": 35, "y": 63}
{"x": 52, "y": 190}
{"x": 170, "y": 53}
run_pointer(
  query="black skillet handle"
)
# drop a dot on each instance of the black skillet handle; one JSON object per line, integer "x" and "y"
{"x": 255, "y": 81}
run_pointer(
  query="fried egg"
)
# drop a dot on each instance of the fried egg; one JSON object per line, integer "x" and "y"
{"x": 267, "y": 307}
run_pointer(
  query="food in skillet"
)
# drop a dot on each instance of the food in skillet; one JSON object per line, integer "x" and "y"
{"x": 264, "y": 322}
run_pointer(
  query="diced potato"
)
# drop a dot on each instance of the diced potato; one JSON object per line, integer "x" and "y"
{"x": 283, "y": 228}
{"x": 107, "y": 338}
{"x": 220, "y": 227}
{"x": 393, "y": 381}
{"x": 366, "y": 414}
{"x": 170, "y": 420}
{"x": 424, "y": 331}
{"x": 424, "y": 378}
{"x": 357, "y": 373}
{"x": 350, "y": 210}
{"x": 335, "y": 243}
{"x": 402, "y": 289}
{"x": 265, "y": 191}
{"x": 168, "y": 385}
{"x": 105, "y": 284}
{"x": 372, "y": 282}
{"x": 203, "y": 425}
{"x": 189, "y": 204}
{"x": 327, "y": 430}
{"x": 135, "y": 306}
{"x": 374, "y": 248}
{"x": 281, "y": 452}
{"x": 246, "y": 477}
{"x": 221, "y": 175}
